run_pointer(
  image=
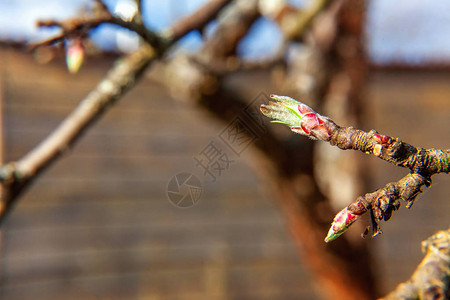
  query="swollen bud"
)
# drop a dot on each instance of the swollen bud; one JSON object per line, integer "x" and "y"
{"x": 301, "y": 118}
{"x": 344, "y": 219}
{"x": 74, "y": 55}
{"x": 340, "y": 224}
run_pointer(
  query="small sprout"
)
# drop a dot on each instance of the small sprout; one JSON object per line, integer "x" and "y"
{"x": 340, "y": 224}
{"x": 344, "y": 219}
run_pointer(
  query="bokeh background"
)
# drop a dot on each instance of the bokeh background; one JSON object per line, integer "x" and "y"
{"x": 98, "y": 224}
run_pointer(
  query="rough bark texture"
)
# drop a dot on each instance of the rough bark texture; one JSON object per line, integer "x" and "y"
{"x": 423, "y": 163}
{"x": 431, "y": 279}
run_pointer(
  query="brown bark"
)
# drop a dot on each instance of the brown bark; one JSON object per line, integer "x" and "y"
{"x": 431, "y": 279}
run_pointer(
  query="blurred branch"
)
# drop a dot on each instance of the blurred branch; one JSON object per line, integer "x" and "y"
{"x": 431, "y": 279}
{"x": 80, "y": 26}
{"x": 139, "y": 6}
{"x": 101, "y": 5}
{"x": 70, "y": 28}
{"x": 233, "y": 24}
{"x": 423, "y": 163}
{"x": 16, "y": 176}
{"x": 217, "y": 55}
{"x": 294, "y": 23}
{"x": 235, "y": 64}
{"x": 196, "y": 21}
{"x": 298, "y": 22}
{"x": 138, "y": 17}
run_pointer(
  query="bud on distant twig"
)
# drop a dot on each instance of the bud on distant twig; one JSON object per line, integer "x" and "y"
{"x": 74, "y": 55}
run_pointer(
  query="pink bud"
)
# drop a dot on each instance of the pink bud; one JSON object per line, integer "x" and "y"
{"x": 74, "y": 55}
{"x": 305, "y": 109}
{"x": 343, "y": 220}
{"x": 298, "y": 116}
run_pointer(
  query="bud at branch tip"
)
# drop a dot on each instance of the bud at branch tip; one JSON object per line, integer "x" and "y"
{"x": 299, "y": 117}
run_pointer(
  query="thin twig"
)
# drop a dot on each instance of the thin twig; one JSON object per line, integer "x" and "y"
{"x": 423, "y": 163}
{"x": 304, "y": 18}
{"x": 17, "y": 175}
{"x": 80, "y": 26}
{"x": 232, "y": 25}
{"x": 138, "y": 17}
{"x": 70, "y": 28}
{"x": 195, "y": 21}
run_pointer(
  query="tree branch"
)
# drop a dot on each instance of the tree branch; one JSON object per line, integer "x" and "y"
{"x": 81, "y": 25}
{"x": 431, "y": 279}
{"x": 16, "y": 176}
{"x": 196, "y": 21}
{"x": 298, "y": 21}
{"x": 233, "y": 24}
{"x": 138, "y": 17}
{"x": 423, "y": 163}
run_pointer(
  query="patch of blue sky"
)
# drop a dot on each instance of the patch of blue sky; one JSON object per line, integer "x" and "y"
{"x": 159, "y": 15}
{"x": 191, "y": 42}
{"x": 410, "y": 31}
{"x": 105, "y": 36}
{"x": 262, "y": 41}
